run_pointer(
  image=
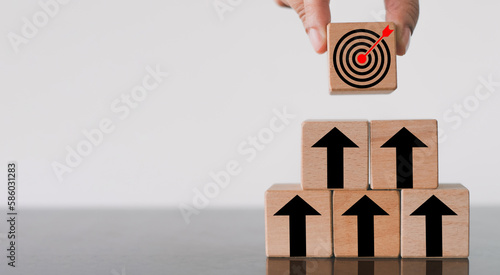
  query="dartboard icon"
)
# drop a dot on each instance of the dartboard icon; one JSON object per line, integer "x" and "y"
{"x": 361, "y": 58}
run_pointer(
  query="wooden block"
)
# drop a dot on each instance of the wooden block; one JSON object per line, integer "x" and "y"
{"x": 335, "y": 155}
{"x": 435, "y": 266}
{"x": 366, "y": 266}
{"x": 404, "y": 154}
{"x": 306, "y": 266}
{"x": 298, "y": 222}
{"x": 354, "y": 69}
{"x": 435, "y": 222}
{"x": 366, "y": 223}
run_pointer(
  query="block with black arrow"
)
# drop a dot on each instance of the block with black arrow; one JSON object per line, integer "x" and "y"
{"x": 366, "y": 223}
{"x": 335, "y": 155}
{"x": 435, "y": 222}
{"x": 404, "y": 154}
{"x": 298, "y": 222}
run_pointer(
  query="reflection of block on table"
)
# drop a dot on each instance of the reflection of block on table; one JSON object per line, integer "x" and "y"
{"x": 354, "y": 68}
{"x": 366, "y": 266}
{"x": 435, "y": 222}
{"x": 281, "y": 266}
{"x": 335, "y": 154}
{"x": 404, "y": 154}
{"x": 435, "y": 266}
{"x": 366, "y": 223}
{"x": 298, "y": 222}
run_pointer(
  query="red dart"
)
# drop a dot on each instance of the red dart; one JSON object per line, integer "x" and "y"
{"x": 385, "y": 33}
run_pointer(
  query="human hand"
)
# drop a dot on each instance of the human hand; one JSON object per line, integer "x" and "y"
{"x": 315, "y": 15}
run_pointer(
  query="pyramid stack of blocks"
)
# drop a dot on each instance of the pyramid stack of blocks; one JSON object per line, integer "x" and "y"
{"x": 337, "y": 211}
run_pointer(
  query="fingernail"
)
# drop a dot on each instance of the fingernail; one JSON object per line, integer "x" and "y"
{"x": 316, "y": 39}
{"x": 408, "y": 34}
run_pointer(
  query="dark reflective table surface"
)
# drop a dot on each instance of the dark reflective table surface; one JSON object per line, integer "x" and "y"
{"x": 158, "y": 241}
{"x": 368, "y": 266}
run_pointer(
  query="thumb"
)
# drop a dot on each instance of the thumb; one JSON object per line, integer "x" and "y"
{"x": 315, "y": 15}
{"x": 404, "y": 13}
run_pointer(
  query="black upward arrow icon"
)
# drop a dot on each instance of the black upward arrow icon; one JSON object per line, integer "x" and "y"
{"x": 404, "y": 142}
{"x": 433, "y": 210}
{"x": 365, "y": 209}
{"x": 335, "y": 142}
{"x": 297, "y": 210}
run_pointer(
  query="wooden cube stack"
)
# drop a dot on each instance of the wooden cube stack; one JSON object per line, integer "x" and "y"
{"x": 403, "y": 212}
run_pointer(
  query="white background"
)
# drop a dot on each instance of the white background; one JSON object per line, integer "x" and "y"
{"x": 226, "y": 77}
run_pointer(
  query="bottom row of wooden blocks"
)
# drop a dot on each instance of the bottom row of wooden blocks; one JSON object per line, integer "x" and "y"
{"x": 280, "y": 266}
{"x": 411, "y": 223}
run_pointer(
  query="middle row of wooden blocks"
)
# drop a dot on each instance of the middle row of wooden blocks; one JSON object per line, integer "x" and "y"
{"x": 403, "y": 154}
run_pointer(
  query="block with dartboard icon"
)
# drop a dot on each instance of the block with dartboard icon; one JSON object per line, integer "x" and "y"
{"x": 362, "y": 57}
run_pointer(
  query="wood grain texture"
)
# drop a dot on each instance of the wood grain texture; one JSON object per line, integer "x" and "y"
{"x": 335, "y": 32}
{"x": 318, "y": 228}
{"x": 435, "y": 266}
{"x": 386, "y": 228}
{"x": 383, "y": 160}
{"x": 282, "y": 266}
{"x": 314, "y": 160}
{"x": 455, "y": 228}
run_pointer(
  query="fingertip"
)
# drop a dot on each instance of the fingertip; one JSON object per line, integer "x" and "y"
{"x": 403, "y": 42}
{"x": 316, "y": 20}
{"x": 318, "y": 40}
{"x": 404, "y": 13}
{"x": 408, "y": 40}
